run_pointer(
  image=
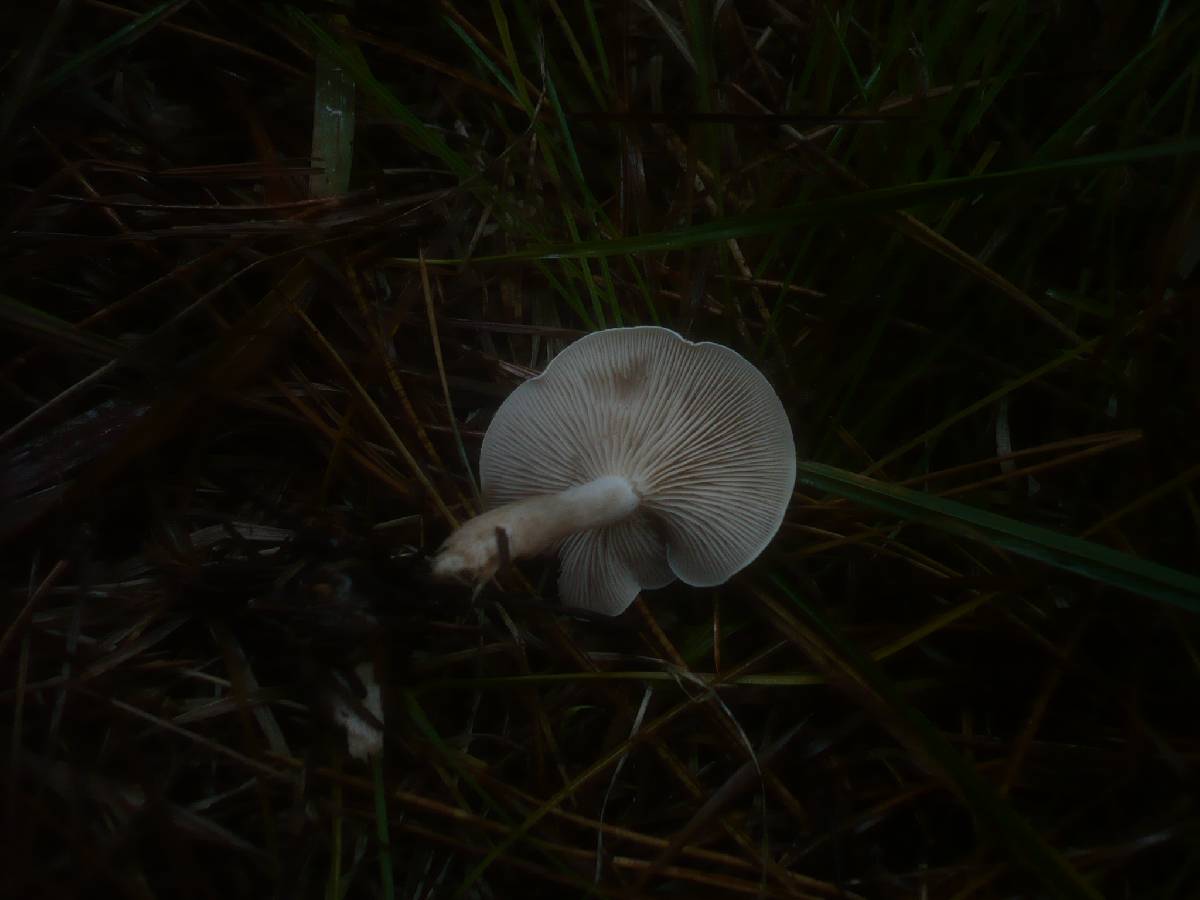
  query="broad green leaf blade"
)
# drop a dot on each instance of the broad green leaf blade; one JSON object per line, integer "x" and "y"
{"x": 1094, "y": 561}
{"x": 333, "y": 121}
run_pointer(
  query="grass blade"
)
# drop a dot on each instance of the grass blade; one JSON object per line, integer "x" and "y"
{"x": 138, "y": 28}
{"x": 333, "y": 122}
{"x": 857, "y": 204}
{"x": 386, "y": 876}
{"x": 1091, "y": 560}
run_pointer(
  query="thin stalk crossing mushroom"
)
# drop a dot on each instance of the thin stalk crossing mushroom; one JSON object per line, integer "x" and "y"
{"x": 641, "y": 457}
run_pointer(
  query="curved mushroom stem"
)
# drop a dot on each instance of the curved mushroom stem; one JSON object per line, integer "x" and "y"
{"x": 476, "y": 551}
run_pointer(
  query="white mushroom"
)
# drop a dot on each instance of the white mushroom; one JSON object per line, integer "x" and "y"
{"x": 643, "y": 457}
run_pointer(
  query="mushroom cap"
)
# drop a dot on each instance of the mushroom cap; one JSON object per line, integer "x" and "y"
{"x": 696, "y": 429}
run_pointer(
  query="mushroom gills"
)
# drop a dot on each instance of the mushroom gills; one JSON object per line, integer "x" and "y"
{"x": 641, "y": 457}
{"x": 604, "y": 570}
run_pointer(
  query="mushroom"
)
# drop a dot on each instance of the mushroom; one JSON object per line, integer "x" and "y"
{"x": 643, "y": 457}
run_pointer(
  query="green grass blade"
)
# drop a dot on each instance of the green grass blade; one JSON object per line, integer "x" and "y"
{"x": 585, "y": 68}
{"x": 354, "y": 64}
{"x": 836, "y": 29}
{"x": 857, "y": 204}
{"x": 333, "y": 122}
{"x": 139, "y": 27}
{"x": 386, "y": 876}
{"x": 486, "y": 61}
{"x": 597, "y": 41}
{"x": 1094, "y": 561}
{"x": 510, "y": 53}
{"x": 1125, "y": 80}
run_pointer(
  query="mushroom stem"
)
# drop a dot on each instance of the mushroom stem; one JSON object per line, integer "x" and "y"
{"x": 527, "y": 527}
